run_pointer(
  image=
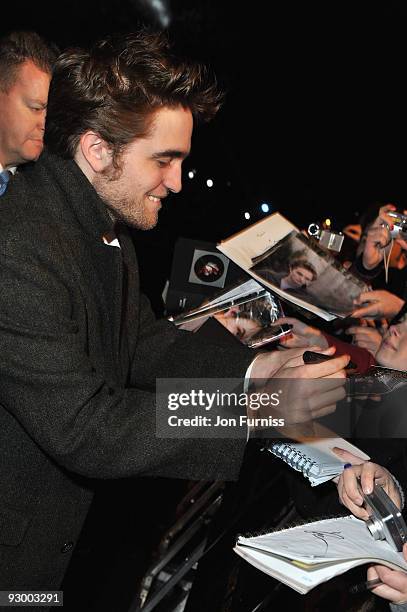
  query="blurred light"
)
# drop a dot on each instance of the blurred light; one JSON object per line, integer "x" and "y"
{"x": 328, "y": 222}
{"x": 191, "y": 174}
{"x": 265, "y": 207}
{"x": 209, "y": 183}
{"x": 247, "y": 215}
{"x": 156, "y": 11}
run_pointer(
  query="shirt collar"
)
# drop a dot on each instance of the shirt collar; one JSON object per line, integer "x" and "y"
{"x": 11, "y": 169}
{"x": 111, "y": 239}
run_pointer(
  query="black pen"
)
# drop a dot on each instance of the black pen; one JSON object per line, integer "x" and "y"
{"x": 311, "y": 357}
{"x": 361, "y": 587}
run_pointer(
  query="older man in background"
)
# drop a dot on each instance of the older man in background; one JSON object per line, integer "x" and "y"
{"x": 26, "y": 63}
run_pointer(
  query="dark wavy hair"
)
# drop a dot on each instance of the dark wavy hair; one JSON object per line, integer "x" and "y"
{"x": 115, "y": 89}
{"x": 20, "y": 46}
{"x": 304, "y": 263}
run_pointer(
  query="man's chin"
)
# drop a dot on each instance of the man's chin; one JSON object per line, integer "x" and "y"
{"x": 142, "y": 224}
{"x": 149, "y": 225}
{"x": 33, "y": 153}
{"x": 383, "y": 359}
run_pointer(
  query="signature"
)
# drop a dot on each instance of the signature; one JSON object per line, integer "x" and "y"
{"x": 324, "y": 536}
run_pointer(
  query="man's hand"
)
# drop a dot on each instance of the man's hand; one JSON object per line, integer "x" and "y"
{"x": 302, "y": 335}
{"x": 305, "y": 392}
{"x": 369, "y": 474}
{"x": 377, "y": 304}
{"x": 366, "y": 337}
{"x": 267, "y": 364}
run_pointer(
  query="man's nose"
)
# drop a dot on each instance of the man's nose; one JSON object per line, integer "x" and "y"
{"x": 173, "y": 178}
{"x": 42, "y": 118}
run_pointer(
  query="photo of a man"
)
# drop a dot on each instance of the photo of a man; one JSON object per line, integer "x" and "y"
{"x": 300, "y": 276}
{"x": 304, "y": 271}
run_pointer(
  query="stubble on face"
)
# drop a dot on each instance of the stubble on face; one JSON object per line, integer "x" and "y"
{"x": 121, "y": 205}
{"x": 146, "y": 170}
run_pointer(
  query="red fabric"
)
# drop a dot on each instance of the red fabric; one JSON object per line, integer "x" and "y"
{"x": 360, "y": 356}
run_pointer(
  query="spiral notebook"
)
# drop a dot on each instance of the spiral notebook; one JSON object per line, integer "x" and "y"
{"x": 314, "y": 458}
{"x": 304, "y": 556}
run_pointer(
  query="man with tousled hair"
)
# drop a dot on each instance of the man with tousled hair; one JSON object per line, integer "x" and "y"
{"x": 80, "y": 350}
{"x": 302, "y": 273}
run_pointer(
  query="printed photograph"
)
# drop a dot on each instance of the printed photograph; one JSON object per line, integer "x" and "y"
{"x": 252, "y": 322}
{"x": 303, "y": 270}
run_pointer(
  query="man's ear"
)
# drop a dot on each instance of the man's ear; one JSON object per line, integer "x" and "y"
{"x": 96, "y": 151}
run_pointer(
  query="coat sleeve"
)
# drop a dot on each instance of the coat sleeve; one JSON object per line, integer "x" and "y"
{"x": 55, "y": 394}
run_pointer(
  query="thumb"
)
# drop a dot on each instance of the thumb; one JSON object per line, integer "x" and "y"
{"x": 331, "y": 350}
{"x": 363, "y": 297}
{"x": 372, "y": 573}
{"x": 347, "y": 456}
{"x": 365, "y": 311}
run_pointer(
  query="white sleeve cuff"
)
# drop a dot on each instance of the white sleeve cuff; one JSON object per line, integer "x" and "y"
{"x": 247, "y": 384}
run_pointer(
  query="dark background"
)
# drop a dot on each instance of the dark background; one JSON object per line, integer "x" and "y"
{"x": 313, "y": 124}
{"x": 314, "y": 118}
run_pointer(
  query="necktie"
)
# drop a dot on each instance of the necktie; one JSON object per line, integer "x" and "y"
{"x": 4, "y": 179}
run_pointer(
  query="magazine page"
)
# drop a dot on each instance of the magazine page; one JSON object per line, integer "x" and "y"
{"x": 276, "y": 254}
{"x": 304, "y": 270}
{"x": 256, "y": 240}
{"x": 225, "y": 299}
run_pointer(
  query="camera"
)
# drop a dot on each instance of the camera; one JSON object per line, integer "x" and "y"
{"x": 327, "y": 239}
{"x": 400, "y": 225}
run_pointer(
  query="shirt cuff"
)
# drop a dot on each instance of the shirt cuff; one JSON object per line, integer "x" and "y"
{"x": 246, "y": 385}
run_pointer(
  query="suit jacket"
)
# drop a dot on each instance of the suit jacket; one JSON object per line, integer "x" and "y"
{"x": 79, "y": 354}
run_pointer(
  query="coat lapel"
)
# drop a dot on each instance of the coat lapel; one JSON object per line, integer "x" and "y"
{"x": 100, "y": 265}
{"x": 130, "y": 308}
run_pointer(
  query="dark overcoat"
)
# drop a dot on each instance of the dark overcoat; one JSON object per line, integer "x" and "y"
{"x": 80, "y": 351}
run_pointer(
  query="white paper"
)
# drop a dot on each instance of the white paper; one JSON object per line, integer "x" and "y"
{"x": 338, "y": 544}
{"x": 244, "y": 246}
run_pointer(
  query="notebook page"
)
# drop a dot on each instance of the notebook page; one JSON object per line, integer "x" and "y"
{"x": 314, "y": 456}
{"x": 325, "y": 445}
{"x": 342, "y": 539}
{"x": 320, "y": 450}
{"x": 299, "y": 579}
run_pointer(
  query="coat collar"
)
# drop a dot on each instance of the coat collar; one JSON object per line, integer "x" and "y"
{"x": 85, "y": 204}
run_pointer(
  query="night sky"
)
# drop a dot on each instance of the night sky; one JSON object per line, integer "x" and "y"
{"x": 314, "y": 118}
